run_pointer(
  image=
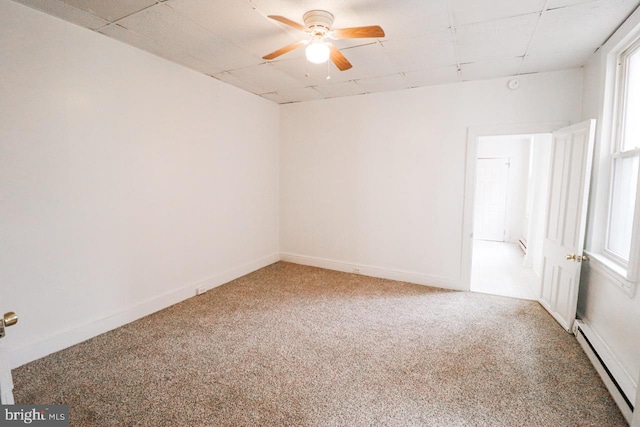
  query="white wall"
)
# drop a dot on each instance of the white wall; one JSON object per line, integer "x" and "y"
{"x": 376, "y": 182}
{"x": 126, "y": 181}
{"x": 516, "y": 149}
{"x": 612, "y": 314}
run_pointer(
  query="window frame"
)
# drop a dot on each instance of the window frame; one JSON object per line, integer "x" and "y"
{"x": 608, "y": 252}
{"x": 622, "y": 74}
{"x": 629, "y": 269}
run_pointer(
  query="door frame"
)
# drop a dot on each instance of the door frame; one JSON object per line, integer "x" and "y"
{"x": 473, "y": 135}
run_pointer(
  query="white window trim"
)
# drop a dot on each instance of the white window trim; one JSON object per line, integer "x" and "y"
{"x": 624, "y": 274}
{"x": 628, "y": 49}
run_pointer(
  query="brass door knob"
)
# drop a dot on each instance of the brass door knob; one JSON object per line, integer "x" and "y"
{"x": 577, "y": 258}
{"x": 10, "y": 318}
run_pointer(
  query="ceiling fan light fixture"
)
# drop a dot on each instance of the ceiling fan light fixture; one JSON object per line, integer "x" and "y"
{"x": 318, "y": 25}
{"x": 317, "y": 52}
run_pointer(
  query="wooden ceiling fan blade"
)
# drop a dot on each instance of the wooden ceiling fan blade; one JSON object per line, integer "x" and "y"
{"x": 339, "y": 59}
{"x": 288, "y": 22}
{"x": 359, "y": 32}
{"x": 284, "y": 50}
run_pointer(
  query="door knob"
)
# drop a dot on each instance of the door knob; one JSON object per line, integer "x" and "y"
{"x": 9, "y": 319}
{"x": 577, "y": 258}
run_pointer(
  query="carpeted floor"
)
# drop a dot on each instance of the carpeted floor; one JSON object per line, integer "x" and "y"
{"x": 295, "y": 345}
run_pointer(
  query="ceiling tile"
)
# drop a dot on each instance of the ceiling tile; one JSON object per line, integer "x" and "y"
{"x": 579, "y": 27}
{"x": 150, "y": 45}
{"x": 540, "y": 63}
{"x": 162, "y": 24}
{"x": 265, "y": 77}
{"x": 111, "y": 10}
{"x": 66, "y": 12}
{"x": 308, "y": 74}
{"x": 435, "y": 49}
{"x": 555, "y": 4}
{"x": 237, "y": 22}
{"x": 230, "y": 78}
{"x": 275, "y": 97}
{"x": 335, "y": 90}
{"x": 299, "y": 94}
{"x": 145, "y": 43}
{"x": 502, "y": 38}
{"x": 223, "y": 54}
{"x": 432, "y": 76}
{"x": 368, "y": 61}
{"x": 377, "y": 84}
{"x": 198, "y": 64}
{"x": 407, "y": 18}
{"x": 472, "y": 11}
{"x": 178, "y": 33}
{"x": 490, "y": 69}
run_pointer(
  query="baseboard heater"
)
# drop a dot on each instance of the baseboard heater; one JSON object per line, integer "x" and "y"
{"x": 622, "y": 399}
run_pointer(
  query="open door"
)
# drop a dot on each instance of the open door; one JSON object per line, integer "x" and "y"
{"x": 6, "y": 380}
{"x": 571, "y": 158}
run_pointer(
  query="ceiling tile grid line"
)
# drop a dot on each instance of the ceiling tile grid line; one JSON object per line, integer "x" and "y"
{"x": 425, "y": 42}
{"x": 197, "y": 19}
{"x": 133, "y": 13}
{"x": 526, "y": 52}
{"x": 452, "y": 26}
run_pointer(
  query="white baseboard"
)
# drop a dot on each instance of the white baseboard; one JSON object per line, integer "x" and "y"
{"x": 65, "y": 339}
{"x": 608, "y": 362}
{"x": 366, "y": 270}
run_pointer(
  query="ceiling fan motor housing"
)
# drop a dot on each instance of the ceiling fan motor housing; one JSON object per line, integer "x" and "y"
{"x": 318, "y": 21}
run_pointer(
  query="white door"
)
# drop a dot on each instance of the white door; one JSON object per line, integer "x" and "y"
{"x": 6, "y": 381}
{"x": 490, "y": 212}
{"x": 635, "y": 422}
{"x": 571, "y": 157}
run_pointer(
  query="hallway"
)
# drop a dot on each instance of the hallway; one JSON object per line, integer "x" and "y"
{"x": 497, "y": 269}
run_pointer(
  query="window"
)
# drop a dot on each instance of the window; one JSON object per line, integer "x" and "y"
{"x": 625, "y": 160}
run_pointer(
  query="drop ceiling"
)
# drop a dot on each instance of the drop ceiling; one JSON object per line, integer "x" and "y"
{"x": 427, "y": 42}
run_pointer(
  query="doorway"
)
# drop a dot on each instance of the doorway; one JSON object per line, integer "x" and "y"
{"x": 511, "y": 183}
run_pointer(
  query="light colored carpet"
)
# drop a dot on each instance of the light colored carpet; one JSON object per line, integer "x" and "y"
{"x": 295, "y": 345}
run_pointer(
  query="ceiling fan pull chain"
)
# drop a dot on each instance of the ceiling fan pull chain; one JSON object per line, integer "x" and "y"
{"x": 328, "y": 70}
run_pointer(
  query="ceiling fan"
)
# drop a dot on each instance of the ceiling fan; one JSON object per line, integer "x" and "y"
{"x": 317, "y": 26}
